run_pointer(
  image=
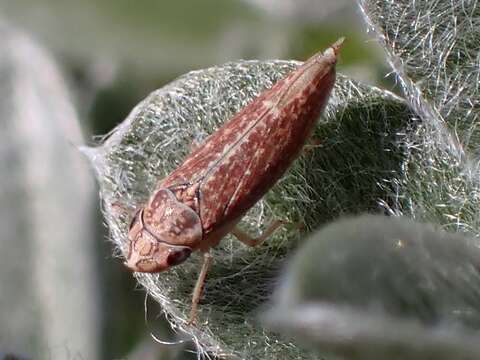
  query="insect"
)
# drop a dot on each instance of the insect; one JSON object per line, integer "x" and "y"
{"x": 201, "y": 201}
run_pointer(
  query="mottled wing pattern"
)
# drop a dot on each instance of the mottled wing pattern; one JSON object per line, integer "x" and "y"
{"x": 237, "y": 165}
{"x": 213, "y": 150}
{"x": 260, "y": 158}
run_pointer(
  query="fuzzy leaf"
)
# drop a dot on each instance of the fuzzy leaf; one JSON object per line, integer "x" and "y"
{"x": 354, "y": 169}
{"x": 433, "y": 48}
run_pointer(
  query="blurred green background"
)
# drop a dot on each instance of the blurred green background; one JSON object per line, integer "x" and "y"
{"x": 112, "y": 54}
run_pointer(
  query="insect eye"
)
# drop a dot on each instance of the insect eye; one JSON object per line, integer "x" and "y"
{"x": 134, "y": 220}
{"x": 178, "y": 256}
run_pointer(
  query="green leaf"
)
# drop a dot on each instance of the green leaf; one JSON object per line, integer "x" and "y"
{"x": 355, "y": 168}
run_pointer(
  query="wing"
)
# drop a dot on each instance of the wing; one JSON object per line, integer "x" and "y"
{"x": 236, "y": 165}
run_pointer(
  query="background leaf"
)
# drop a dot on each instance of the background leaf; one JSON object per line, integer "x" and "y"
{"x": 382, "y": 287}
{"x": 434, "y": 61}
{"x": 433, "y": 48}
{"x": 49, "y": 304}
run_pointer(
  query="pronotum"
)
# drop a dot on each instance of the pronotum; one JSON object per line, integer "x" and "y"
{"x": 201, "y": 201}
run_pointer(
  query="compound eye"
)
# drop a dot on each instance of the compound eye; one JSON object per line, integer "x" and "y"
{"x": 178, "y": 256}
{"x": 134, "y": 220}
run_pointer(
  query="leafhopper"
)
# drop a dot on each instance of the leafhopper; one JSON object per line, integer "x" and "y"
{"x": 202, "y": 200}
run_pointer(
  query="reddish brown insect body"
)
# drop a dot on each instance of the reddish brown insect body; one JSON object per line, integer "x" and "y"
{"x": 195, "y": 206}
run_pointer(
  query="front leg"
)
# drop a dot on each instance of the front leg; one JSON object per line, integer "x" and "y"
{"x": 207, "y": 262}
{"x": 197, "y": 291}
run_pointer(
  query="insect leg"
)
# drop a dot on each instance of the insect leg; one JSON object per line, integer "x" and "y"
{"x": 251, "y": 241}
{"x": 197, "y": 291}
